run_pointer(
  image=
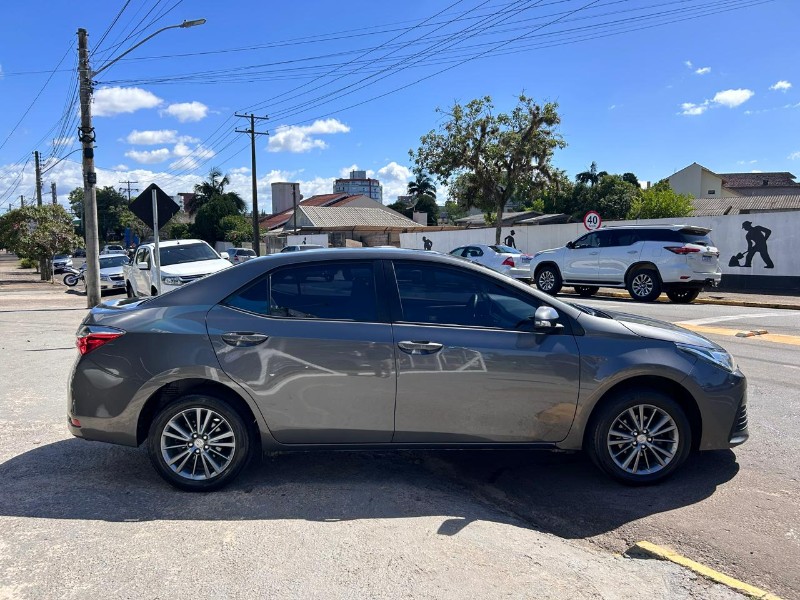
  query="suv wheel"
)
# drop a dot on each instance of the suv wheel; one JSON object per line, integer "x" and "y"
{"x": 548, "y": 280}
{"x": 644, "y": 285}
{"x": 682, "y": 296}
{"x": 129, "y": 290}
{"x": 586, "y": 291}
{"x": 640, "y": 437}
{"x": 198, "y": 443}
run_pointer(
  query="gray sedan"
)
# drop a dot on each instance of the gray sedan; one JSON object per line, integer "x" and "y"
{"x": 387, "y": 348}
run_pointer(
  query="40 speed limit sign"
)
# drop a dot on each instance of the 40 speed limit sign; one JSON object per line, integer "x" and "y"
{"x": 592, "y": 220}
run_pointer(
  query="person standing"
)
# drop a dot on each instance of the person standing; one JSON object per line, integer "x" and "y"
{"x": 509, "y": 241}
{"x": 757, "y": 237}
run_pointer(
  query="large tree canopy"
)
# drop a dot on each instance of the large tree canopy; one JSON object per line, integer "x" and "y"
{"x": 485, "y": 156}
{"x": 212, "y": 188}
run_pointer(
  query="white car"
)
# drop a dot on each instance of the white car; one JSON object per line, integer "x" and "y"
{"x": 644, "y": 259}
{"x": 240, "y": 255}
{"x": 113, "y": 249}
{"x": 112, "y": 272}
{"x": 182, "y": 261}
{"x": 503, "y": 259}
{"x": 300, "y": 248}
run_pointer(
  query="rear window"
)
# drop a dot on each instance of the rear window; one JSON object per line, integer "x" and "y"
{"x": 505, "y": 249}
{"x": 690, "y": 237}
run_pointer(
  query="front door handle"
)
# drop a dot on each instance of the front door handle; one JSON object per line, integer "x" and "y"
{"x": 595, "y": 252}
{"x": 242, "y": 339}
{"x": 419, "y": 347}
{"x": 633, "y": 252}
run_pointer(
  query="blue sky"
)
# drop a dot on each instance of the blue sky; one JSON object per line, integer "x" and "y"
{"x": 647, "y": 86}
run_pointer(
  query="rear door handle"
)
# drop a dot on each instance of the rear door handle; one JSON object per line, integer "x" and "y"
{"x": 595, "y": 252}
{"x": 419, "y": 347}
{"x": 633, "y": 252}
{"x": 242, "y": 339}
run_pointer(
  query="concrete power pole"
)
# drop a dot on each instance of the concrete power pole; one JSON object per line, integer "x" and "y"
{"x": 86, "y": 137}
{"x": 53, "y": 192}
{"x": 253, "y": 133}
{"x": 44, "y": 263}
{"x": 129, "y": 189}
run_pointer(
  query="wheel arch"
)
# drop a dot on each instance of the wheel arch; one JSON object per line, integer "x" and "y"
{"x": 654, "y": 382}
{"x": 637, "y": 266}
{"x": 546, "y": 263}
{"x": 174, "y": 390}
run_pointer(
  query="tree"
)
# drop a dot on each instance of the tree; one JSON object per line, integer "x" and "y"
{"x": 208, "y": 224}
{"x": 490, "y": 155}
{"x": 631, "y": 178}
{"x": 614, "y": 197}
{"x": 454, "y": 211}
{"x": 213, "y": 187}
{"x": 113, "y": 214}
{"x": 425, "y": 204}
{"x": 422, "y": 186}
{"x": 592, "y": 177}
{"x": 38, "y": 233}
{"x": 236, "y": 229}
{"x": 660, "y": 203}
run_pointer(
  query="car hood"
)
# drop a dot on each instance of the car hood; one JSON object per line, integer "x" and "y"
{"x": 112, "y": 270}
{"x": 660, "y": 330}
{"x": 202, "y": 267}
{"x": 548, "y": 251}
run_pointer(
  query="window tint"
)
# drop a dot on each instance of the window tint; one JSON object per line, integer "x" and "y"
{"x": 473, "y": 251}
{"x": 695, "y": 238}
{"x": 590, "y": 240}
{"x": 505, "y": 250}
{"x": 604, "y": 238}
{"x": 175, "y": 255}
{"x": 434, "y": 294}
{"x": 625, "y": 237}
{"x": 341, "y": 291}
{"x": 457, "y": 251}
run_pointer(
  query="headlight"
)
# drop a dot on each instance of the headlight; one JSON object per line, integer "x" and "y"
{"x": 105, "y": 278}
{"x": 721, "y": 358}
{"x": 171, "y": 280}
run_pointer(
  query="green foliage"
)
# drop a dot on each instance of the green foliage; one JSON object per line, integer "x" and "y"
{"x": 208, "y": 222}
{"x": 631, "y": 178}
{"x": 422, "y": 186}
{"x": 38, "y": 232}
{"x": 237, "y": 229}
{"x": 425, "y": 204}
{"x": 212, "y": 188}
{"x": 454, "y": 211}
{"x": 613, "y": 197}
{"x": 485, "y": 156}
{"x": 27, "y": 263}
{"x": 660, "y": 203}
{"x": 178, "y": 231}
{"x": 113, "y": 215}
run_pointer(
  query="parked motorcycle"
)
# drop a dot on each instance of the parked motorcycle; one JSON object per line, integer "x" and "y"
{"x": 73, "y": 276}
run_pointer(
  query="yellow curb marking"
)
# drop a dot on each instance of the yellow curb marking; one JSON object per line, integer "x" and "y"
{"x": 778, "y": 338}
{"x": 707, "y": 572}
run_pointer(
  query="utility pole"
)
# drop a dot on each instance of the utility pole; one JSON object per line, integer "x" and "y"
{"x": 86, "y": 136}
{"x": 44, "y": 273}
{"x": 294, "y": 203}
{"x": 253, "y": 133}
{"x": 128, "y": 184}
{"x": 22, "y": 201}
{"x": 53, "y": 192}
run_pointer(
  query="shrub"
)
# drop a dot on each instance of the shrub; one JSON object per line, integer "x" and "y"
{"x": 27, "y": 263}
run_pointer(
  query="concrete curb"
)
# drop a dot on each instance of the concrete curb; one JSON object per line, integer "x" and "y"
{"x": 723, "y": 302}
{"x": 654, "y": 551}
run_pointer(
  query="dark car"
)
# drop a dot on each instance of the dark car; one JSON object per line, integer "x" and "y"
{"x": 373, "y": 348}
{"x": 79, "y": 253}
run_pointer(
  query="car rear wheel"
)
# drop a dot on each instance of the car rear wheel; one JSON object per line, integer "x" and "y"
{"x": 129, "y": 290}
{"x": 644, "y": 285}
{"x": 198, "y": 443}
{"x": 548, "y": 280}
{"x": 586, "y": 291}
{"x": 640, "y": 437}
{"x": 682, "y": 296}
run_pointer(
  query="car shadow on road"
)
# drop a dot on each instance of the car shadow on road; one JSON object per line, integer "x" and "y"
{"x": 555, "y": 493}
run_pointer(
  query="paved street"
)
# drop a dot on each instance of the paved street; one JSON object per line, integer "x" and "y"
{"x": 81, "y": 519}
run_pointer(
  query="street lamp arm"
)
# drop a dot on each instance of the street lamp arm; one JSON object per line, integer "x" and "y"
{"x": 183, "y": 25}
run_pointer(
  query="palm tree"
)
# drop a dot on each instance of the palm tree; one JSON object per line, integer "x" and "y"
{"x": 591, "y": 176}
{"x": 422, "y": 186}
{"x": 213, "y": 187}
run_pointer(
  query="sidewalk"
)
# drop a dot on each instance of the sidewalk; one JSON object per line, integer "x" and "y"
{"x": 23, "y": 288}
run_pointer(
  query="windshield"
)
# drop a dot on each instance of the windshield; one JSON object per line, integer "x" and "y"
{"x": 505, "y": 249}
{"x": 185, "y": 253}
{"x": 701, "y": 239}
{"x": 60, "y": 256}
{"x": 113, "y": 261}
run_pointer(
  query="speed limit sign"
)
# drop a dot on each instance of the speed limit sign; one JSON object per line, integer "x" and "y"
{"x": 592, "y": 220}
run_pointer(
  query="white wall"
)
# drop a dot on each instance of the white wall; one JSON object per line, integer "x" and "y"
{"x": 726, "y": 231}
{"x": 319, "y": 239}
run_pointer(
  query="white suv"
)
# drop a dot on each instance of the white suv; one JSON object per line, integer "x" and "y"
{"x": 644, "y": 259}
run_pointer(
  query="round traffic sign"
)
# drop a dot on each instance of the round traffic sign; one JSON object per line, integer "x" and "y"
{"x": 592, "y": 220}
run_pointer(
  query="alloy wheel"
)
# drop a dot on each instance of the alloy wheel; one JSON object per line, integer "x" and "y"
{"x": 198, "y": 444}
{"x": 642, "y": 285}
{"x": 643, "y": 439}
{"x": 546, "y": 280}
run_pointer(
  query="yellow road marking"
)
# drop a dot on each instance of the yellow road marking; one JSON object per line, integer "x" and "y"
{"x": 707, "y": 572}
{"x": 792, "y": 340}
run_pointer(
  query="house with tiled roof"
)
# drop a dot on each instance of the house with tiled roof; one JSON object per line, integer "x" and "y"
{"x": 276, "y": 222}
{"x": 761, "y": 184}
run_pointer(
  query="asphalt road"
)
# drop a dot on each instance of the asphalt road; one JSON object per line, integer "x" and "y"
{"x": 81, "y": 519}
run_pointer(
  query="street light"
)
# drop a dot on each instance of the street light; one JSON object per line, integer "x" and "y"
{"x": 86, "y": 136}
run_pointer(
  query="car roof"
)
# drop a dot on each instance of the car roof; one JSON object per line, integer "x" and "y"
{"x": 169, "y": 243}
{"x": 657, "y": 226}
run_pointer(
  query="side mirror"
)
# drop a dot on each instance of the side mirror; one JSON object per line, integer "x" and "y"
{"x": 143, "y": 266}
{"x": 545, "y": 318}
{"x": 570, "y": 245}
{"x": 224, "y": 255}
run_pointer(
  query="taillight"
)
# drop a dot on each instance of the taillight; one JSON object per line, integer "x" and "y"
{"x": 508, "y": 262}
{"x": 91, "y": 337}
{"x": 681, "y": 249}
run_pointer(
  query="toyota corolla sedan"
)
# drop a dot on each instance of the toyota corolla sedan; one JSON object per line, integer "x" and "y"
{"x": 388, "y": 348}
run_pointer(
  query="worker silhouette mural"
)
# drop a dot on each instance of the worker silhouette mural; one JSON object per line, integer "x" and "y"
{"x": 756, "y": 238}
{"x": 509, "y": 241}
{"x": 426, "y": 243}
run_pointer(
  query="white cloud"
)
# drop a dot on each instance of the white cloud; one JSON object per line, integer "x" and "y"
{"x": 110, "y": 101}
{"x": 120, "y": 167}
{"x": 794, "y": 156}
{"x": 152, "y": 137}
{"x": 300, "y": 138}
{"x": 688, "y": 63}
{"x": 703, "y": 71}
{"x": 781, "y": 86}
{"x": 190, "y": 159}
{"x": 63, "y": 141}
{"x": 690, "y": 109}
{"x": 187, "y": 111}
{"x": 149, "y": 157}
{"x": 733, "y": 98}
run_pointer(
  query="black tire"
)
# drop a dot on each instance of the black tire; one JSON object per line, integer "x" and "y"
{"x": 153, "y": 292}
{"x": 548, "y": 279}
{"x": 684, "y": 296}
{"x": 129, "y": 290}
{"x": 586, "y": 291}
{"x": 600, "y": 437}
{"x": 197, "y": 472}
{"x": 644, "y": 285}
{"x": 70, "y": 280}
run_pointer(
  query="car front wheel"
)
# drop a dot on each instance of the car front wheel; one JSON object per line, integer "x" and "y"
{"x": 548, "y": 280}
{"x": 198, "y": 443}
{"x": 640, "y": 437}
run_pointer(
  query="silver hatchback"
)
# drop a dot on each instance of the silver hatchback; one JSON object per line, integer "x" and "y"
{"x": 389, "y": 348}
